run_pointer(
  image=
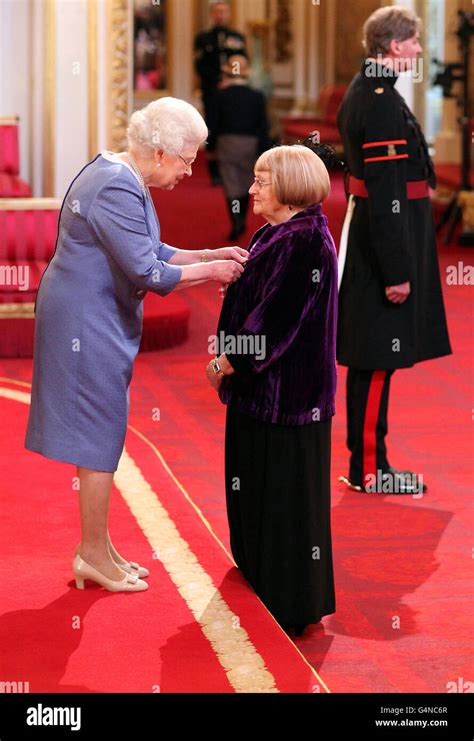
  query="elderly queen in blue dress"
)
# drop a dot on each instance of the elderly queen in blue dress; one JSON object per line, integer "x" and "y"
{"x": 89, "y": 312}
{"x": 277, "y": 375}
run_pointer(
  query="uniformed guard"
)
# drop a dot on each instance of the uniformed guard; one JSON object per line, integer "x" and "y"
{"x": 391, "y": 312}
{"x": 212, "y": 51}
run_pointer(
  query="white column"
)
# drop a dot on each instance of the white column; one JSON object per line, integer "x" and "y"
{"x": 405, "y": 81}
{"x": 246, "y": 11}
{"x": 314, "y": 82}
{"x": 330, "y": 29}
{"x": 298, "y": 10}
{"x": 448, "y": 142}
{"x": 182, "y": 49}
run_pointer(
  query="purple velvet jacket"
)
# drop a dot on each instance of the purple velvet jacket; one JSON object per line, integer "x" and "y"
{"x": 278, "y": 324}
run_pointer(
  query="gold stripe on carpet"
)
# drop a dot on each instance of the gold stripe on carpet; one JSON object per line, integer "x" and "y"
{"x": 183, "y": 491}
{"x": 15, "y": 381}
{"x": 15, "y": 395}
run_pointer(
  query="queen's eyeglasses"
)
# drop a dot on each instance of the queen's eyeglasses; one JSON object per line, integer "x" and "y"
{"x": 188, "y": 164}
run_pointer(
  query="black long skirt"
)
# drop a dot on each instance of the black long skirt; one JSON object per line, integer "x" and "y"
{"x": 278, "y": 506}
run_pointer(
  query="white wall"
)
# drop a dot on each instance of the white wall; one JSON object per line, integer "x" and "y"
{"x": 71, "y": 113}
{"x": 22, "y": 50}
{"x": 15, "y": 82}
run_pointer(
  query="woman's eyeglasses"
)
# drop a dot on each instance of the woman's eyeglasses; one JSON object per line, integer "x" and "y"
{"x": 188, "y": 164}
{"x": 260, "y": 183}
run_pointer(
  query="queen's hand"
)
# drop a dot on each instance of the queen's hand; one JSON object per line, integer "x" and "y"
{"x": 230, "y": 253}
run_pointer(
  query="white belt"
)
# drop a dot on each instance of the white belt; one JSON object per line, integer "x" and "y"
{"x": 341, "y": 260}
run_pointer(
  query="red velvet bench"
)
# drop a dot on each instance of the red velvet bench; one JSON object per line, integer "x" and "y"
{"x": 11, "y": 185}
{"x": 28, "y": 229}
{"x": 327, "y": 105}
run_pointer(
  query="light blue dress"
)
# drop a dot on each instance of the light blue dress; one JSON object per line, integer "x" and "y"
{"x": 89, "y": 314}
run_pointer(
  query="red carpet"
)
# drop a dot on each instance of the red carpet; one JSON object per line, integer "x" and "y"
{"x": 165, "y": 323}
{"x": 402, "y": 566}
{"x": 198, "y": 629}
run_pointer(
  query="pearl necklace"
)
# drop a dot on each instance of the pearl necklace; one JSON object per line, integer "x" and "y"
{"x": 137, "y": 172}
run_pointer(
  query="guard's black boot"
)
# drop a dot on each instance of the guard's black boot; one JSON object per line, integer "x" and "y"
{"x": 300, "y": 628}
{"x": 392, "y": 481}
{"x": 407, "y": 482}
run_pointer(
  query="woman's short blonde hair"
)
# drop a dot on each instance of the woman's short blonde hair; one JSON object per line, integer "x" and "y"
{"x": 386, "y": 24}
{"x": 299, "y": 176}
{"x": 170, "y": 124}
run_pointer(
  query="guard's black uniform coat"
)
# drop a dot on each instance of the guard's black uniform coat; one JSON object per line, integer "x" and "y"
{"x": 212, "y": 50}
{"x": 391, "y": 239}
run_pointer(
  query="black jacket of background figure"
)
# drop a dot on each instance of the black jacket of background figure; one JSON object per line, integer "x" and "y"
{"x": 212, "y": 50}
{"x": 239, "y": 109}
{"x": 391, "y": 239}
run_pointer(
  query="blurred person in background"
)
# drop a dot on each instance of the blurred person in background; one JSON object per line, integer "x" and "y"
{"x": 212, "y": 49}
{"x": 239, "y": 134}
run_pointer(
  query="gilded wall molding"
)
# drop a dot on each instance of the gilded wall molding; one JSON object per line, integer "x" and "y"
{"x": 283, "y": 32}
{"x": 17, "y": 311}
{"x": 92, "y": 62}
{"x": 143, "y": 97}
{"x": 30, "y": 204}
{"x": 118, "y": 24}
{"x": 49, "y": 97}
{"x": 9, "y": 120}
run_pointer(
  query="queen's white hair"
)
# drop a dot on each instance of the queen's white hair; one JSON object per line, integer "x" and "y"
{"x": 169, "y": 124}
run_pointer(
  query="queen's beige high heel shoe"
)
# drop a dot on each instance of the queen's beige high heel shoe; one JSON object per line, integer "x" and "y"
{"x": 83, "y": 570}
{"x": 131, "y": 566}
{"x": 128, "y": 566}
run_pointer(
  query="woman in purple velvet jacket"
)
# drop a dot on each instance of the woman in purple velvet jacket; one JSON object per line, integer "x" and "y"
{"x": 277, "y": 375}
